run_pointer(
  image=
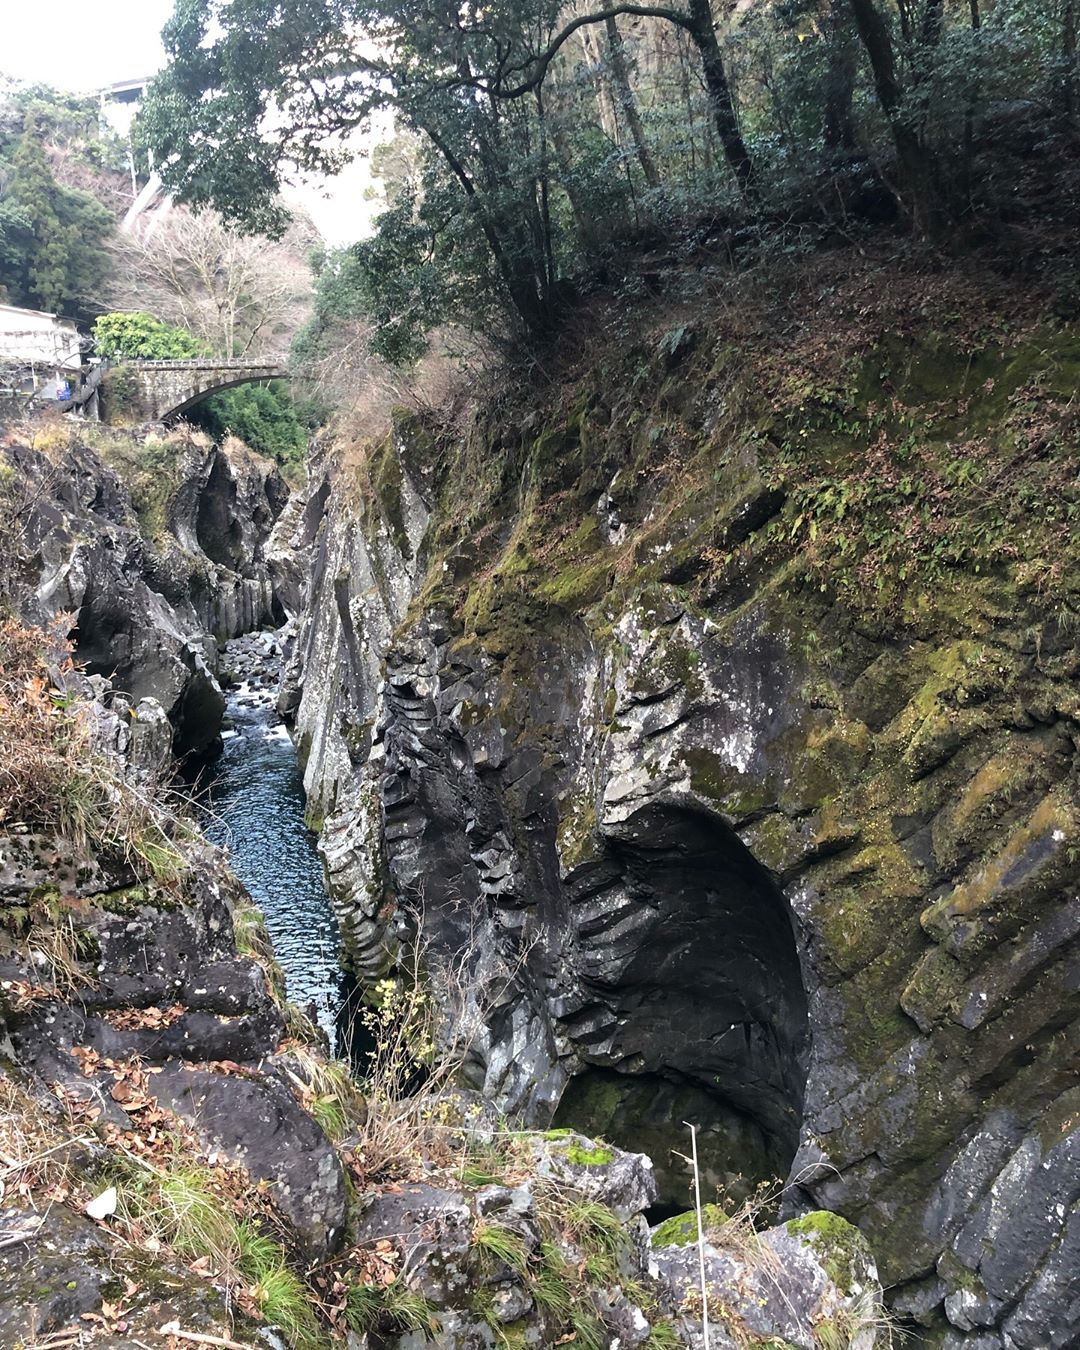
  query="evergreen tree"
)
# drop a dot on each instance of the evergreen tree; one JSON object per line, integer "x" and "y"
{"x": 51, "y": 237}
{"x": 35, "y": 191}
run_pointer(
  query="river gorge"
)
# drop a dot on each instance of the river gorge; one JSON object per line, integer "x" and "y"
{"x": 570, "y": 705}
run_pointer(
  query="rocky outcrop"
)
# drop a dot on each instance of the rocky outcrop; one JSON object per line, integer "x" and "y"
{"x": 171, "y": 994}
{"x": 152, "y": 1023}
{"x": 792, "y": 1285}
{"x": 714, "y": 829}
{"x": 156, "y": 546}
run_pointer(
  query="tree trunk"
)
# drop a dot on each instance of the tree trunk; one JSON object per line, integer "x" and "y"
{"x": 604, "y": 104}
{"x": 920, "y": 191}
{"x": 839, "y": 134}
{"x": 511, "y": 258}
{"x": 620, "y": 76}
{"x": 703, "y": 36}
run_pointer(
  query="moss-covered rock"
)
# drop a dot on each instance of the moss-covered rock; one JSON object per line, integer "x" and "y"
{"x": 786, "y": 614}
{"x": 682, "y": 1229}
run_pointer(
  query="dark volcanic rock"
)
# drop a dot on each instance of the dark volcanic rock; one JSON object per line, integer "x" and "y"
{"x": 808, "y": 877}
{"x": 258, "y": 1122}
{"x": 56, "y": 1266}
{"x": 155, "y": 563}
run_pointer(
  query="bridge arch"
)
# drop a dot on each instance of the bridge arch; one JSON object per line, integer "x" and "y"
{"x": 159, "y": 391}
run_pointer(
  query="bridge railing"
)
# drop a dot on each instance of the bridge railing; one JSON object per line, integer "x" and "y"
{"x": 208, "y": 363}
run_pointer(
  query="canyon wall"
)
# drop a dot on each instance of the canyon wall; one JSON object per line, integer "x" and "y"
{"x": 156, "y": 545}
{"x": 182, "y": 1161}
{"x": 718, "y": 703}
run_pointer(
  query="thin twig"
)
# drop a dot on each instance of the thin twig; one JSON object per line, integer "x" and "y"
{"x": 16, "y": 1239}
{"x": 12, "y": 1166}
{"x": 700, "y": 1237}
{"x": 197, "y": 1338}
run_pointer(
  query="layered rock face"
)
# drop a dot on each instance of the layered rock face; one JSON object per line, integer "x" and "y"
{"x": 729, "y": 832}
{"x": 157, "y": 546}
{"x": 151, "y": 1060}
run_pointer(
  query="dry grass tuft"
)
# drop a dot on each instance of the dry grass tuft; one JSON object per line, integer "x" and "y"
{"x": 37, "y": 1147}
{"x": 55, "y": 775}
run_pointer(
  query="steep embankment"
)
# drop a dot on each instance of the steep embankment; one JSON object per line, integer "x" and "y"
{"x": 156, "y": 544}
{"x": 720, "y": 701}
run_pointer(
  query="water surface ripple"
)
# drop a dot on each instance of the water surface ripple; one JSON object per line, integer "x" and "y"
{"x": 255, "y": 798}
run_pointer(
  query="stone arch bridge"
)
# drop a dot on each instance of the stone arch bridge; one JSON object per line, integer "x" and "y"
{"x": 158, "y": 391}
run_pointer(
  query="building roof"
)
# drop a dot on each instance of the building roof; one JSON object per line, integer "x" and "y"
{"x": 37, "y": 313}
{"x": 121, "y": 86}
{"x": 15, "y": 309}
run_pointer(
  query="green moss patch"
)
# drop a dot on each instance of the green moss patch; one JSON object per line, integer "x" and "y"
{"x": 838, "y": 1244}
{"x": 682, "y": 1229}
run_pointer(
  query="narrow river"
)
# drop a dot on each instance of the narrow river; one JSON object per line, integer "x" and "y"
{"x": 254, "y": 796}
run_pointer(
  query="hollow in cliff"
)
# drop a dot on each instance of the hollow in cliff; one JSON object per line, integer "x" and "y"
{"x": 696, "y": 1009}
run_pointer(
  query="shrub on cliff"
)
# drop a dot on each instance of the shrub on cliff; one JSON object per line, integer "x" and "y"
{"x": 54, "y": 772}
{"x": 42, "y": 781}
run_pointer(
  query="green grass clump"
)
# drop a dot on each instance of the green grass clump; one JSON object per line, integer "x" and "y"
{"x": 589, "y": 1331}
{"x": 550, "y": 1283}
{"x": 331, "y": 1116}
{"x": 484, "y": 1164}
{"x": 281, "y": 1296}
{"x": 390, "y": 1308}
{"x": 500, "y": 1245}
{"x": 595, "y": 1228}
{"x": 663, "y": 1336}
{"x": 176, "y": 1206}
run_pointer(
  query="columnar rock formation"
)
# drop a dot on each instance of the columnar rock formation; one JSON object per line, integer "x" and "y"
{"x": 721, "y": 846}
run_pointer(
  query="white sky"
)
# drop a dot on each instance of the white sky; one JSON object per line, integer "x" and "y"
{"x": 83, "y": 45}
{"x": 78, "y": 45}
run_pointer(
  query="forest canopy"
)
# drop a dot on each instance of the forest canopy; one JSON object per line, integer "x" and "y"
{"x": 539, "y": 139}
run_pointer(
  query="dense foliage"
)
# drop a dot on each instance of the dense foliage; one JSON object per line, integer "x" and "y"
{"x": 52, "y": 236}
{"x": 140, "y": 336}
{"x": 538, "y": 139}
{"x": 265, "y": 417}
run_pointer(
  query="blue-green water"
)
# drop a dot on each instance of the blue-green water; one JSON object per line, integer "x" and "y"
{"x": 255, "y": 798}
